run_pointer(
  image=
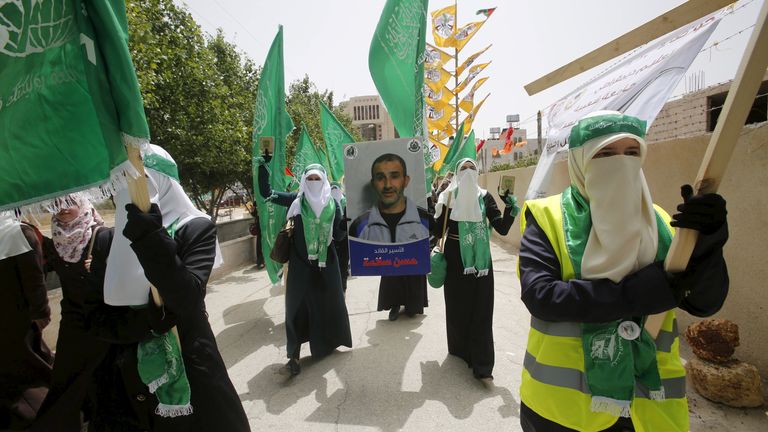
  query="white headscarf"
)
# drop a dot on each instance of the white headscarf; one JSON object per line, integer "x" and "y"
{"x": 317, "y": 194}
{"x": 465, "y": 205}
{"x": 624, "y": 234}
{"x": 12, "y": 240}
{"x": 125, "y": 283}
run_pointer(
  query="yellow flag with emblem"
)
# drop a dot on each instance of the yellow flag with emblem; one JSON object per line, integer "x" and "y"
{"x": 439, "y": 98}
{"x": 471, "y": 59}
{"x": 435, "y": 57}
{"x": 441, "y": 134}
{"x": 471, "y": 116}
{"x": 444, "y": 26}
{"x": 468, "y": 101}
{"x": 464, "y": 34}
{"x": 443, "y": 151}
{"x": 437, "y": 118}
{"x": 436, "y": 78}
{"x": 473, "y": 72}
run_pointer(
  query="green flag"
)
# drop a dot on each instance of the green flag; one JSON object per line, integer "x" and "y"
{"x": 306, "y": 153}
{"x": 467, "y": 149}
{"x": 396, "y": 62}
{"x": 335, "y": 136}
{"x": 69, "y": 99}
{"x": 271, "y": 122}
{"x": 450, "y": 158}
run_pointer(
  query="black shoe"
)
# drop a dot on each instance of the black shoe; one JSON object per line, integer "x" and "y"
{"x": 293, "y": 367}
{"x": 393, "y": 313}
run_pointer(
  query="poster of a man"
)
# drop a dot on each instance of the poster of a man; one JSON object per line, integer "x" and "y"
{"x": 386, "y": 203}
{"x": 394, "y": 217}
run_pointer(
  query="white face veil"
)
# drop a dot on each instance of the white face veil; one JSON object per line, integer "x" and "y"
{"x": 317, "y": 193}
{"x": 465, "y": 205}
{"x": 12, "y": 240}
{"x": 125, "y": 283}
{"x": 624, "y": 236}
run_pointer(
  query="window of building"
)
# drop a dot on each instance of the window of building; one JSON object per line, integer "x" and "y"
{"x": 757, "y": 114}
{"x": 377, "y": 112}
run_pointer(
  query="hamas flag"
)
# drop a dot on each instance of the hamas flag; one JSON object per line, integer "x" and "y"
{"x": 69, "y": 100}
{"x": 335, "y": 136}
{"x": 271, "y": 124}
{"x": 307, "y": 153}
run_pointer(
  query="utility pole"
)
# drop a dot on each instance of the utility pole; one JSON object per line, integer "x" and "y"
{"x": 538, "y": 130}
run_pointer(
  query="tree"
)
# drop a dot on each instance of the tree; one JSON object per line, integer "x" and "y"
{"x": 303, "y": 105}
{"x": 198, "y": 97}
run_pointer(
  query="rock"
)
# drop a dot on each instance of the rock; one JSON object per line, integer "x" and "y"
{"x": 713, "y": 339}
{"x": 736, "y": 384}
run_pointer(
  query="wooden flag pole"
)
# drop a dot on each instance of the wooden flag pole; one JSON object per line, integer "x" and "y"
{"x": 721, "y": 144}
{"x": 659, "y": 26}
{"x": 137, "y": 188}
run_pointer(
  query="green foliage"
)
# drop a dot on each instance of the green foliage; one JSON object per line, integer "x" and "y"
{"x": 527, "y": 161}
{"x": 303, "y": 105}
{"x": 198, "y": 95}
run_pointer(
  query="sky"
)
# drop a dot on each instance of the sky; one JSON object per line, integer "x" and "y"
{"x": 329, "y": 41}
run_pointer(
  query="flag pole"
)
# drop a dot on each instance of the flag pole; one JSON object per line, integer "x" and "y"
{"x": 137, "y": 189}
{"x": 455, "y": 81}
{"x": 721, "y": 145}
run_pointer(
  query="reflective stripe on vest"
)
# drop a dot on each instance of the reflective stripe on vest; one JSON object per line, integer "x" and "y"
{"x": 554, "y": 381}
{"x": 571, "y": 329}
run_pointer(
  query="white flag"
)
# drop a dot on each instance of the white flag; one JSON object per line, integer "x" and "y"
{"x": 638, "y": 86}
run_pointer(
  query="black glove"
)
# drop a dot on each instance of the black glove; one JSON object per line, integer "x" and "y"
{"x": 141, "y": 224}
{"x": 704, "y": 213}
{"x": 161, "y": 319}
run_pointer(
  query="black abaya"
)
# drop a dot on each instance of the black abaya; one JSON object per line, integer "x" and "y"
{"x": 469, "y": 299}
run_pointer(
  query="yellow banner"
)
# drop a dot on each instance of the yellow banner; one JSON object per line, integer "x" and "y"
{"x": 441, "y": 134}
{"x": 471, "y": 59}
{"x": 464, "y": 34}
{"x": 443, "y": 151}
{"x": 444, "y": 26}
{"x": 471, "y": 116}
{"x": 440, "y": 98}
{"x": 435, "y": 57}
{"x": 473, "y": 72}
{"x": 437, "y": 118}
{"x": 436, "y": 78}
{"x": 468, "y": 101}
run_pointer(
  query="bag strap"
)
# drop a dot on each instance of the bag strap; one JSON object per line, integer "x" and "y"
{"x": 445, "y": 222}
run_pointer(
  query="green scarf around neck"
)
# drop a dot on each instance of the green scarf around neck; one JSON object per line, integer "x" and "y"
{"x": 612, "y": 363}
{"x": 161, "y": 369}
{"x": 317, "y": 230}
{"x": 474, "y": 244}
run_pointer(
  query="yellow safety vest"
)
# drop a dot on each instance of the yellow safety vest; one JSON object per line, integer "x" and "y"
{"x": 554, "y": 381}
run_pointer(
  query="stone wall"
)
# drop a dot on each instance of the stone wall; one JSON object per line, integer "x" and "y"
{"x": 672, "y": 163}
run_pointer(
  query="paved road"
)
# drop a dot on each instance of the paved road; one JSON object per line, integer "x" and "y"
{"x": 398, "y": 375}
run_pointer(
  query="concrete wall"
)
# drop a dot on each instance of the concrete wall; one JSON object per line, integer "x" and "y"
{"x": 233, "y": 229}
{"x": 672, "y": 163}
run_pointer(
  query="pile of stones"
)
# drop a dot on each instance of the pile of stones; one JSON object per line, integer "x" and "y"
{"x": 715, "y": 374}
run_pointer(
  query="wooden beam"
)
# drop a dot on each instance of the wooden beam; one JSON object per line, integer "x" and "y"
{"x": 659, "y": 26}
{"x": 739, "y": 101}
